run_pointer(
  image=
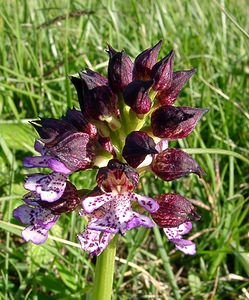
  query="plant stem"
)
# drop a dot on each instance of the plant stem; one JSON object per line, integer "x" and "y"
{"x": 104, "y": 273}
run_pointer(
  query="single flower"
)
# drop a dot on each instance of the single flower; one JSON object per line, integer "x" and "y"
{"x": 40, "y": 216}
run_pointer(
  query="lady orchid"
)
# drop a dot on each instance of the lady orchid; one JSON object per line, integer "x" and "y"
{"x": 123, "y": 129}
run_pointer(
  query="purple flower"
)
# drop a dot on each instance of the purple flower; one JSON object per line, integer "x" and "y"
{"x": 49, "y": 187}
{"x": 126, "y": 117}
{"x": 117, "y": 181}
{"x": 41, "y": 215}
{"x": 64, "y": 146}
{"x": 174, "y": 234}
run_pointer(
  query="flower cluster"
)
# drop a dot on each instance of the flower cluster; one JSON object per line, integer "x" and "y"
{"x": 123, "y": 129}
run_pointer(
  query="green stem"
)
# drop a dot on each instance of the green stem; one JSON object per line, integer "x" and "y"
{"x": 104, "y": 273}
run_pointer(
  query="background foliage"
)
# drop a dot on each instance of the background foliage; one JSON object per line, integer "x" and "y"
{"x": 41, "y": 42}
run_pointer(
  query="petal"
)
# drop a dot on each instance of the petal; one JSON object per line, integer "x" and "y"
{"x": 31, "y": 198}
{"x": 39, "y": 147}
{"x": 119, "y": 70}
{"x": 36, "y": 161}
{"x": 106, "y": 224}
{"x": 40, "y": 217}
{"x": 34, "y": 234}
{"x": 162, "y": 145}
{"x": 174, "y": 163}
{"x": 148, "y": 203}
{"x": 178, "y": 232}
{"x": 94, "y": 241}
{"x": 138, "y": 220}
{"x": 145, "y": 61}
{"x": 137, "y": 146}
{"x": 75, "y": 151}
{"x": 58, "y": 166}
{"x": 174, "y": 210}
{"x": 136, "y": 96}
{"x": 119, "y": 217}
{"x": 93, "y": 79}
{"x": 50, "y": 187}
{"x": 25, "y": 214}
{"x": 173, "y": 123}
{"x": 92, "y": 203}
{"x": 168, "y": 96}
{"x": 68, "y": 202}
{"x": 162, "y": 72}
{"x": 186, "y": 246}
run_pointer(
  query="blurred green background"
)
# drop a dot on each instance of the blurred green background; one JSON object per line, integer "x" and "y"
{"x": 41, "y": 42}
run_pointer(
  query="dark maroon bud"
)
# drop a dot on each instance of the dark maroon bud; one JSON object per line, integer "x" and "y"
{"x": 78, "y": 84}
{"x": 68, "y": 201}
{"x": 111, "y": 51}
{"x": 93, "y": 79}
{"x": 51, "y": 130}
{"x": 175, "y": 122}
{"x": 75, "y": 151}
{"x": 97, "y": 99}
{"x": 137, "y": 146}
{"x": 119, "y": 70}
{"x": 145, "y": 61}
{"x": 168, "y": 96}
{"x": 117, "y": 177}
{"x": 136, "y": 96}
{"x": 174, "y": 163}
{"x": 162, "y": 73}
{"x": 173, "y": 211}
{"x": 76, "y": 118}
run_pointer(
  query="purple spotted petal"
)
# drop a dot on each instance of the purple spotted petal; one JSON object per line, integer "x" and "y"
{"x": 186, "y": 246}
{"x": 174, "y": 234}
{"x": 35, "y": 235}
{"x": 94, "y": 241}
{"x": 92, "y": 203}
{"x": 75, "y": 151}
{"x": 179, "y": 231}
{"x": 36, "y": 161}
{"x": 148, "y": 203}
{"x": 49, "y": 186}
{"x": 118, "y": 216}
{"x": 139, "y": 220}
{"x": 40, "y": 221}
{"x": 174, "y": 210}
{"x": 37, "y": 216}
